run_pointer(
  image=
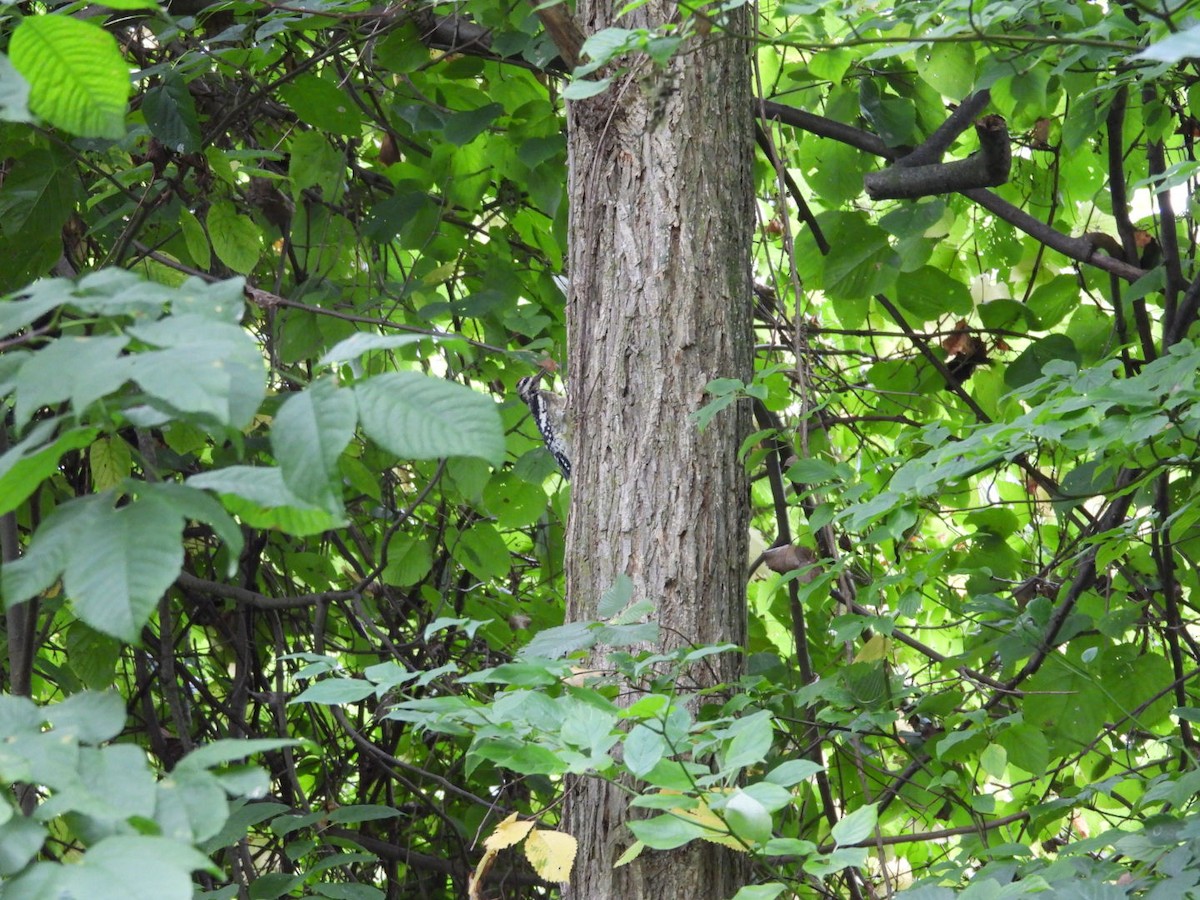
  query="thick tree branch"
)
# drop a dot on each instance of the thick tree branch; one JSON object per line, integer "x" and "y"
{"x": 463, "y": 36}
{"x": 458, "y": 34}
{"x": 561, "y": 27}
{"x": 956, "y": 123}
{"x": 256, "y": 600}
{"x": 987, "y": 168}
{"x": 823, "y": 127}
{"x": 1079, "y": 249}
{"x": 1114, "y": 127}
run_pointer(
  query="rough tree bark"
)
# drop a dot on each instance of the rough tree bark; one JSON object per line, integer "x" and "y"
{"x": 660, "y": 300}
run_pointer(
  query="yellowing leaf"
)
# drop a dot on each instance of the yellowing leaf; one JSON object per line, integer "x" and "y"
{"x": 551, "y": 853}
{"x": 634, "y": 851}
{"x": 110, "y": 461}
{"x": 878, "y": 647}
{"x": 480, "y": 873}
{"x": 715, "y": 830}
{"x": 507, "y": 833}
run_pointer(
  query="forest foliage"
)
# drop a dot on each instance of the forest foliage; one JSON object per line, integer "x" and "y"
{"x": 282, "y": 553}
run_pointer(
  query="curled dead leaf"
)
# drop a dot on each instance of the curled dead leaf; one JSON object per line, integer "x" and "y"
{"x": 789, "y": 558}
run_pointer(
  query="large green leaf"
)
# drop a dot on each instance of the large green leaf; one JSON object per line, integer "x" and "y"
{"x": 77, "y": 78}
{"x": 260, "y": 498}
{"x": 321, "y": 102}
{"x": 235, "y": 238}
{"x": 78, "y": 369}
{"x": 419, "y": 417}
{"x": 46, "y": 557}
{"x": 116, "y": 574}
{"x": 25, "y": 466}
{"x": 171, "y": 114}
{"x": 194, "y": 504}
{"x": 115, "y": 563}
{"x": 14, "y": 93}
{"x": 859, "y": 264}
{"x": 208, "y": 368}
{"x": 309, "y": 433}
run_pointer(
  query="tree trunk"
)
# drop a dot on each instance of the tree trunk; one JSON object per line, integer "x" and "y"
{"x": 660, "y": 303}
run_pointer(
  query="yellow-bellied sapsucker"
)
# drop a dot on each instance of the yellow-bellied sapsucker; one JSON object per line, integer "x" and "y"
{"x": 550, "y": 414}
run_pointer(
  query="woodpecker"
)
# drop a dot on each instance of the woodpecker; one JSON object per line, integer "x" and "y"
{"x": 550, "y": 413}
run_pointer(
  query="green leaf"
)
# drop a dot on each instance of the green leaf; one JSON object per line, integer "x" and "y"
{"x": 195, "y": 238}
{"x": 1050, "y": 302}
{"x": 46, "y": 557}
{"x": 39, "y": 299}
{"x": 893, "y": 118}
{"x": 145, "y": 868}
{"x": 190, "y": 806}
{"x": 322, "y": 104}
{"x": 209, "y": 368}
{"x": 20, "y": 840}
{"x": 197, "y": 506}
{"x": 92, "y": 656}
{"x": 842, "y": 858}
{"x": 752, "y": 738}
{"x": 463, "y": 127}
{"x": 14, "y": 94}
{"x": 559, "y": 641}
{"x": 38, "y": 195}
{"x": 666, "y": 832}
{"x": 949, "y": 68}
{"x": 482, "y": 551}
{"x": 25, "y": 466}
{"x": 363, "y": 812}
{"x": 418, "y": 417}
{"x": 644, "y": 748}
{"x": 259, "y": 496}
{"x": 110, "y": 784}
{"x": 582, "y": 89}
{"x": 364, "y": 342}
{"x": 79, "y": 369}
{"x": 747, "y": 818}
{"x": 77, "y": 78}
{"x": 401, "y": 50}
{"x": 313, "y": 162}
{"x": 171, "y": 114}
{"x": 994, "y": 760}
{"x": 116, "y": 575}
{"x": 1026, "y": 748}
{"x": 235, "y": 238}
{"x": 859, "y": 265}
{"x": 522, "y": 757}
{"x": 929, "y": 293}
{"x": 1028, "y": 366}
{"x": 110, "y": 462}
{"x": 514, "y": 502}
{"x": 89, "y": 717}
{"x": 408, "y": 560}
{"x": 335, "y": 691}
{"x": 616, "y": 598}
{"x": 768, "y": 891}
{"x": 793, "y": 772}
{"x": 589, "y": 729}
{"x": 856, "y": 827}
{"x": 309, "y": 433}
{"x": 1173, "y": 48}
{"x": 228, "y": 750}
{"x": 834, "y": 170}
